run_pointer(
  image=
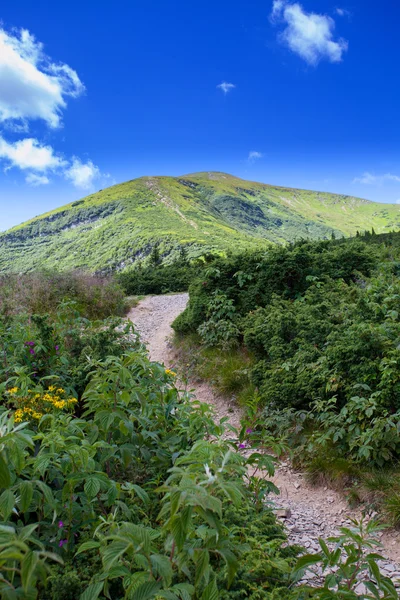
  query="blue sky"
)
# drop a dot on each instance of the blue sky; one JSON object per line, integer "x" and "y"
{"x": 298, "y": 94}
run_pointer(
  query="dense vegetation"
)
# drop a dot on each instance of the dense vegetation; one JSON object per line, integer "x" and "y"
{"x": 118, "y": 228}
{"x": 316, "y": 326}
{"x": 115, "y": 485}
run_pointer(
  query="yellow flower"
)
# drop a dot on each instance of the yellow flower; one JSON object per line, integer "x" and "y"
{"x": 169, "y": 372}
{"x": 13, "y": 390}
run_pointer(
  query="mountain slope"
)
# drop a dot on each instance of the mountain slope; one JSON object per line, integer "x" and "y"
{"x": 205, "y": 212}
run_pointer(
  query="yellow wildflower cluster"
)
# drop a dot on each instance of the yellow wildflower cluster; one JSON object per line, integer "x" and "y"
{"x": 35, "y": 405}
{"x": 169, "y": 372}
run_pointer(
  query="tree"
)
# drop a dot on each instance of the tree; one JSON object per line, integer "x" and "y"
{"x": 155, "y": 256}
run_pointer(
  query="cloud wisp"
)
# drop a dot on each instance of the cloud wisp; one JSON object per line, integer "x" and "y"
{"x": 226, "y": 87}
{"x": 309, "y": 35}
{"x": 36, "y": 180}
{"x": 371, "y": 179}
{"x": 253, "y": 156}
{"x": 343, "y": 12}
{"x": 35, "y": 88}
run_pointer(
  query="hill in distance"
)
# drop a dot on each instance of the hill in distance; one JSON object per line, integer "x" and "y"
{"x": 204, "y": 212}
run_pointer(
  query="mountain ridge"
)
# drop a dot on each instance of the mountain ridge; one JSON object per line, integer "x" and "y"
{"x": 204, "y": 212}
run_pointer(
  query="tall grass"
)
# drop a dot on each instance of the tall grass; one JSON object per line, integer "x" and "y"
{"x": 42, "y": 292}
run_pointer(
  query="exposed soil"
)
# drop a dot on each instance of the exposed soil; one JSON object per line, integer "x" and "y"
{"x": 310, "y": 512}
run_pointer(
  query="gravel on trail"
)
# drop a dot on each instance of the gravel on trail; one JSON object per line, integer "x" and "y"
{"x": 308, "y": 512}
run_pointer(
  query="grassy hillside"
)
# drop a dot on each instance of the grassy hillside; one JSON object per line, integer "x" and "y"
{"x": 205, "y": 212}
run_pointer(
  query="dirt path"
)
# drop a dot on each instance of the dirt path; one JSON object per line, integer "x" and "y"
{"x": 310, "y": 512}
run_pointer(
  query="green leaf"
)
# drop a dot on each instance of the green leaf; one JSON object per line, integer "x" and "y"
{"x": 113, "y": 552}
{"x": 88, "y": 546}
{"x": 92, "y": 592}
{"x": 162, "y": 567}
{"x": 231, "y": 563}
{"x": 184, "y": 590}
{"x": 146, "y": 591}
{"x": 7, "y": 502}
{"x": 92, "y": 487}
{"x": 5, "y": 477}
{"x": 306, "y": 561}
{"x": 26, "y": 493}
{"x": 210, "y": 592}
{"x": 202, "y": 564}
{"x": 372, "y": 588}
{"x": 28, "y": 567}
{"x": 141, "y": 493}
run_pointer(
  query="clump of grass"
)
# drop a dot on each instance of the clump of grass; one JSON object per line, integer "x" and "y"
{"x": 132, "y": 302}
{"x": 391, "y": 507}
{"x": 42, "y": 292}
{"x": 227, "y": 370}
{"x": 328, "y": 469}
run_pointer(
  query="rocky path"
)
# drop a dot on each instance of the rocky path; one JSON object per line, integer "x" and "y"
{"x": 308, "y": 512}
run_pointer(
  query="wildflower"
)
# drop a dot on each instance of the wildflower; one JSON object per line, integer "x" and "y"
{"x": 13, "y": 390}
{"x": 169, "y": 372}
{"x": 31, "y": 351}
{"x": 241, "y": 446}
{"x": 31, "y": 344}
{"x": 249, "y": 430}
{"x": 60, "y": 524}
{"x": 62, "y": 543}
{"x": 57, "y": 348}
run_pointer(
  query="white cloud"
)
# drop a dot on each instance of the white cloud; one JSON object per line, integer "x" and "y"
{"x": 226, "y": 87}
{"x": 370, "y": 179}
{"x": 36, "y": 180}
{"x": 29, "y": 154}
{"x": 82, "y": 174}
{"x": 31, "y": 86}
{"x": 309, "y": 35}
{"x": 253, "y": 156}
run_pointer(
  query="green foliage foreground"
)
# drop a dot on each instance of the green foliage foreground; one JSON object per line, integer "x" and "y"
{"x": 115, "y": 485}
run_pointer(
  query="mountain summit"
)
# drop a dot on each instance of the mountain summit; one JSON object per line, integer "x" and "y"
{"x": 203, "y": 212}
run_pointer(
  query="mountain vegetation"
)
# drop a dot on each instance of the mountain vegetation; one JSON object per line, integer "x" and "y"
{"x": 115, "y": 485}
{"x": 205, "y": 213}
{"x": 308, "y": 338}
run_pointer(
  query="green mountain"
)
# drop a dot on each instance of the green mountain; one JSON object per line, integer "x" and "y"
{"x": 205, "y": 212}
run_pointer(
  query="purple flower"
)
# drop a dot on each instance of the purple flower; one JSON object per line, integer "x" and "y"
{"x": 242, "y": 445}
{"x": 31, "y": 351}
{"x": 249, "y": 431}
{"x": 62, "y": 543}
{"x": 29, "y": 343}
{"x": 57, "y": 348}
{"x": 60, "y": 524}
